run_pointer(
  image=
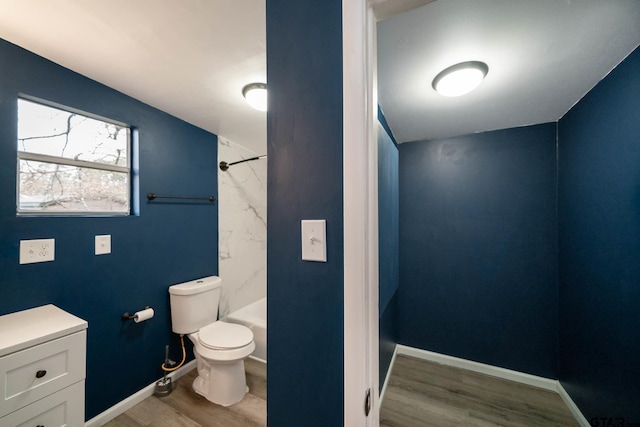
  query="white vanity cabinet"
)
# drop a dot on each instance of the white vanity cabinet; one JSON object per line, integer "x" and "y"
{"x": 42, "y": 368}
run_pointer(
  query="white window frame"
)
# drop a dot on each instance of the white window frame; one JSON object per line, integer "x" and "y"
{"x": 43, "y": 158}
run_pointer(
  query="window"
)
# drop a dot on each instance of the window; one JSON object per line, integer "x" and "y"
{"x": 70, "y": 163}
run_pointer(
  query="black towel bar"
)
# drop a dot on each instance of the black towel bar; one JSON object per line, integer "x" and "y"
{"x": 153, "y": 196}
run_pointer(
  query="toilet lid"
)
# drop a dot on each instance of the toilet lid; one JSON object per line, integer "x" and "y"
{"x": 225, "y": 336}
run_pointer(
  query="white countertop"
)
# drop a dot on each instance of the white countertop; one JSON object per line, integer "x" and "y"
{"x": 31, "y": 327}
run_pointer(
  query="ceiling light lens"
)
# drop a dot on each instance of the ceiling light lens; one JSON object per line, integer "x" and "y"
{"x": 460, "y": 79}
{"x": 256, "y": 95}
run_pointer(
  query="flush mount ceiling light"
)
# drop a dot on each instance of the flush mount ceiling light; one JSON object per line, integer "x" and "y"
{"x": 460, "y": 78}
{"x": 256, "y": 95}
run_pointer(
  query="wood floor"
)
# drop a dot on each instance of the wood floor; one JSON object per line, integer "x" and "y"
{"x": 421, "y": 393}
{"x": 185, "y": 408}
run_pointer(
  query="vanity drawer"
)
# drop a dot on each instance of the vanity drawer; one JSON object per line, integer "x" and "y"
{"x": 62, "y": 409}
{"x": 31, "y": 374}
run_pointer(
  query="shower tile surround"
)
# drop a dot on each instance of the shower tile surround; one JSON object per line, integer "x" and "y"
{"x": 242, "y": 211}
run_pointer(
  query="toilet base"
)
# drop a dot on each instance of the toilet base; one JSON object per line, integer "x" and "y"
{"x": 221, "y": 383}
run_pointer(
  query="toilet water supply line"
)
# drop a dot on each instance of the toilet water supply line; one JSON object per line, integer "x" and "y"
{"x": 184, "y": 357}
{"x": 147, "y": 313}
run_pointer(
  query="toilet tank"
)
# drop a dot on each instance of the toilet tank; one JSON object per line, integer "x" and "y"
{"x": 194, "y": 304}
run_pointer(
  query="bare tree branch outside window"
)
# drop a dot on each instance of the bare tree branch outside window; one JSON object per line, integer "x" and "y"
{"x": 71, "y": 163}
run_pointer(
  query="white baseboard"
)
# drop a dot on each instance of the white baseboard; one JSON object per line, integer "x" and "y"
{"x": 135, "y": 398}
{"x": 575, "y": 411}
{"x": 469, "y": 365}
{"x": 257, "y": 359}
{"x": 386, "y": 379}
{"x": 495, "y": 371}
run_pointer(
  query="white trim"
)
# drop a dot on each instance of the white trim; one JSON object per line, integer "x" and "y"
{"x": 257, "y": 359}
{"x": 469, "y": 365}
{"x": 373, "y": 283}
{"x": 65, "y": 161}
{"x": 360, "y": 217}
{"x": 386, "y": 379}
{"x": 67, "y": 109}
{"x": 575, "y": 411}
{"x": 134, "y": 399}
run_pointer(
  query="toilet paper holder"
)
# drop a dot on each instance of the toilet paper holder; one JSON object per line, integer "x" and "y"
{"x": 127, "y": 316}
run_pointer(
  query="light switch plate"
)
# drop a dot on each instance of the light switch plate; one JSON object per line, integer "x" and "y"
{"x": 314, "y": 240}
{"x": 37, "y": 250}
{"x": 103, "y": 244}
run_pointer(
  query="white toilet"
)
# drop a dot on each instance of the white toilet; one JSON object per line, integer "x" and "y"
{"x": 220, "y": 348}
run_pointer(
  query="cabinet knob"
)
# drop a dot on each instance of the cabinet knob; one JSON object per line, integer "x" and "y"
{"x": 41, "y": 373}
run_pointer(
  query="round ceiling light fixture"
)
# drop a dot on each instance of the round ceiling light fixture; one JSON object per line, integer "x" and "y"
{"x": 256, "y": 95}
{"x": 460, "y": 78}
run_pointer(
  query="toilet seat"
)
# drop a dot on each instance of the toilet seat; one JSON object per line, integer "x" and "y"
{"x": 225, "y": 336}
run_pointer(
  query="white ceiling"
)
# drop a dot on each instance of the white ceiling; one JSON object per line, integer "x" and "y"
{"x": 543, "y": 57}
{"x": 191, "y": 58}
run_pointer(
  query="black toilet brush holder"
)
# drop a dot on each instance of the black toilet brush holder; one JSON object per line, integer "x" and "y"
{"x": 164, "y": 385}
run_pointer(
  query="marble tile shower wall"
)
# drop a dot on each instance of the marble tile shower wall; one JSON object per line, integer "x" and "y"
{"x": 242, "y": 212}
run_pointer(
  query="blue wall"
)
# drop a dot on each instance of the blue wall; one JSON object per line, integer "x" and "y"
{"x": 478, "y": 248}
{"x": 388, "y": 243}
{"x": 388, "y": 218}
{"x": 167, "y": 243}
{"x": 599, "y": 240}
{"x": 304, "y": 138}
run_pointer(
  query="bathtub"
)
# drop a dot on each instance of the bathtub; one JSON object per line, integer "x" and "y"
{"x": 254, "y": 316}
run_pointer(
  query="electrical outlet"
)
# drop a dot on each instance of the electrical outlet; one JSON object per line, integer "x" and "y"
{"x": 37, "y": 250}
